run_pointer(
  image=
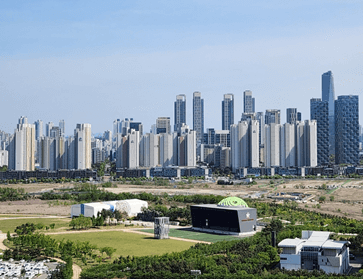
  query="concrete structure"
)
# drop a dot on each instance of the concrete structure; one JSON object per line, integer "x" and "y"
{"x": 315, "y": 251}
{"x": 161, "y": 228}
{"x": 347, "y": 130}
{"x": 180, "y": 115}
{"x": 231, "y": 216}
{"x": 187, "y": 149}
{"x": 227, "y": 111}
{"x": 248, "y": 102}
{"x": 319, "y": 111}
{"x": 328, "y": 95}
{"x": 272, "y": 116}
{"x": 198, "y": 119}
{"x": 132, "y": 207}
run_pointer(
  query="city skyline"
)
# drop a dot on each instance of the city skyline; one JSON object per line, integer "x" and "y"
{"x": 98, "y": 62}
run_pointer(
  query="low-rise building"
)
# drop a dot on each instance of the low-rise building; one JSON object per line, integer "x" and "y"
{"x": 314, "y": 250}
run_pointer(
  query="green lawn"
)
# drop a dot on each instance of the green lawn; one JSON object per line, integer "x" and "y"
{"x": 202, "y": 236}
{"x": 11, "y": 224}
{"x": 128, "y": 244}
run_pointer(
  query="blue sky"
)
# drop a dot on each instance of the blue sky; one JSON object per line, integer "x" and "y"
{"x": 96, "y": 61}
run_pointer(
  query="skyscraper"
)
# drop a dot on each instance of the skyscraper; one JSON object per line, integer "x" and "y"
{"x": 38, "y": 129}
{"x": 272, "y": 116}
{"x": 62, "y": 127}
{"x": 48, "y": 127}
{"x": 198, "y": 118}
{"x": 292, "y": 115}
{"x": 319, "y": 111}
{"x": 248, "y": 102}
{"x": 227, "y": 111}
{"x": 347, "y": 130}
{"x": 180, "y": 111}
{"x": 83, "y": 151}
{"x": 328, "y": 95}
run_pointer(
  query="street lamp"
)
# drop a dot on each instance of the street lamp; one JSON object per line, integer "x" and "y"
{"x": 196, "y": 273}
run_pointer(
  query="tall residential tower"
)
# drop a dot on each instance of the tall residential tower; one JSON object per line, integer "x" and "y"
{"x": 227, "y": 111}
{"x": 198, "y": 118}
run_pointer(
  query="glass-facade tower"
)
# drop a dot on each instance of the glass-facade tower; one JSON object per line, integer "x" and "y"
{"x": 180, "y": 111}
{"x": 227, "y": 111}
{"x": 248, "y": 102}
{"x": 328, "y": 95}
{"x": 319, "y": 111}
{"x": 347, "y": 130}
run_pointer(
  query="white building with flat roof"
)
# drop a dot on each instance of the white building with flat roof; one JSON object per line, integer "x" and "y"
{"x": 314, "y": 250}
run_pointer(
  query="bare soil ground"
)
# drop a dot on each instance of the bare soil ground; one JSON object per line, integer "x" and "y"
{"x": 348, "y": 199}
{"x": 34, "y": 206}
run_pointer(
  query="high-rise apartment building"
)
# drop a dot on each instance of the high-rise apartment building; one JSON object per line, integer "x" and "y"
{"x": 22, "y": 147}
{"x": 227, "y": 111}
{"x": 149, "y": 150}
{"x": 83, "y": 150}
{"x": 166, "y": 149}
{"x": 180, "y": 113}
{"x": 328, "y": 95}
{"x": 272, "y": 116}
{"x": 272, "y": 145}
{"x": 244, "y": 145}
{"x": 248, "y": 102}
{"x": 163, "y": 125}
{"x": 347, "y": 130}
{"x": 198, "y": 119}
{"x": 287, "y": 145}
{"x": 319, "y": 111}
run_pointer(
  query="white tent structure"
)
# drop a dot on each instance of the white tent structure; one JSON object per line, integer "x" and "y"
{"x": 132, "y": 207}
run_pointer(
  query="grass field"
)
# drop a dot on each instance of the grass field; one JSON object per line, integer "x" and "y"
{"x": 189, "y": 234}
{"x": 128, "y": 244}
{"x": 11, "y": 224}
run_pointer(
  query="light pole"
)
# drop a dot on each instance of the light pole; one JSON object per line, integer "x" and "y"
{"x": 196, "y": 273}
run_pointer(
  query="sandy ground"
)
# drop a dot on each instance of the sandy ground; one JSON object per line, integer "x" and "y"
{"x": 34, "y": 206}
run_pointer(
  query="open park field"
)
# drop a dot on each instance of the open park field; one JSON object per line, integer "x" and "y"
{"x": 128, "y": 244}
{"x": 10, "y": 224}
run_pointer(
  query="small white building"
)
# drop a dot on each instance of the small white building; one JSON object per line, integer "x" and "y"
{"x": 132, "y": 207}
{"x": 315, "y": 251}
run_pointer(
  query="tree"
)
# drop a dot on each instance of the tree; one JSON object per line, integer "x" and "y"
{"x": 331, "y": 198}
{"x": 322, "y": 199}
{"x": 108, "y": 250}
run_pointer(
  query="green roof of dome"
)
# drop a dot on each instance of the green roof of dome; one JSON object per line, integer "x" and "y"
{"x": 233, "y": 201}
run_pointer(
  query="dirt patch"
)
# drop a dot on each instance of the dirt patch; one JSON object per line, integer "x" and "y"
{"x": 34, "y": 206}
